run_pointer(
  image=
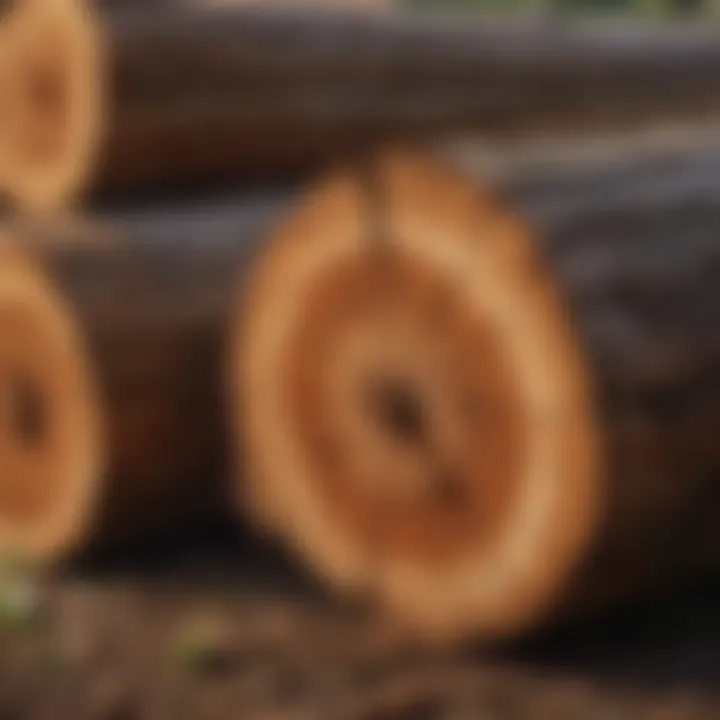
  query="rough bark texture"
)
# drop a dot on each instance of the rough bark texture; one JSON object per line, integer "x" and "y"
{"x": 151, "y": 291}
{"x": 627, "y": 228}
{"x": 634, "y": 254}
{"x": 176, "y": 93}
{"x": 217, "y": 93}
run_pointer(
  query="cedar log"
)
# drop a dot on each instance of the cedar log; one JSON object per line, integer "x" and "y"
{"x": 209, "y": 93}
{"x": 111, "y": 362}
{"x": 486, "y": 416}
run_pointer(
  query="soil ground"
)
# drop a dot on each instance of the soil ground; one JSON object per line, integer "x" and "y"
{"x": 227, "y": 628}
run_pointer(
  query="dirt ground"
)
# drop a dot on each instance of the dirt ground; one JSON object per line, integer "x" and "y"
{"x": 231, "y": 630}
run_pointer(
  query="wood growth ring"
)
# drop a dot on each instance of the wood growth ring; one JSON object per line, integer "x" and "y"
{"x": 51, "y": 99}
{"x": 49, "y": 435}
{"x": 429, "y": 442}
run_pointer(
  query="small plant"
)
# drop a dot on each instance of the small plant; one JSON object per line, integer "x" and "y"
{"x": 202, "y": 647}
{"x": 19, "y": 595}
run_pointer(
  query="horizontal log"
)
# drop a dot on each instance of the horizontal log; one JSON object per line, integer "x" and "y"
{"x": 112, "y": 337}
{"x": 488, "y": 415}
{"x": 142, "y": 97}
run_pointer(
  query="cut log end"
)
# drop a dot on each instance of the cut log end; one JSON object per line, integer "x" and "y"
{"x": 51, "y": 101}
{"x": 415, "y": 411}
{"x": 49, "y": 439}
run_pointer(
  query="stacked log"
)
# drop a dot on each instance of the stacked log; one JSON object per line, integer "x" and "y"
{"x": 111, "y": 351}
{"x": 483, "y": 416}
{"x": 138, "y": 96}
{"x": 480, "y": 414}
{"x": 487, "y": 415}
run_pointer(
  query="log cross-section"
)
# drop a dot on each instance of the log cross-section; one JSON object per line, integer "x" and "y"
{"x": 524, "y": 426}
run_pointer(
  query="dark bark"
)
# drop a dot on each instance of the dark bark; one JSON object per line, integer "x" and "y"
{"x": 204, "y": 95}
{"x": 635, "y": 254}
{"x": 151, "y": 291}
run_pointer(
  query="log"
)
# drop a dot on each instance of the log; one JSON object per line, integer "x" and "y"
{"x": 488, "y": 405}
{"x": 111, "y": 361}
{"x": 213, "y": 93}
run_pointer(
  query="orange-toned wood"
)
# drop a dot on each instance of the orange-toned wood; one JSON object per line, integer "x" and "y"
{"x": 490, "y": 415}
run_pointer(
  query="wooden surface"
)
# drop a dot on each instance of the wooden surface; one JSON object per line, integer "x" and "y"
{"x": 626, "y": 225}
{"x": 633, "y": 255}
{"x": 626, "y": 249}
{"x": 214, "y": 93}
{"x": 149, "y": 292}
{"x": 225, "y": 92}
